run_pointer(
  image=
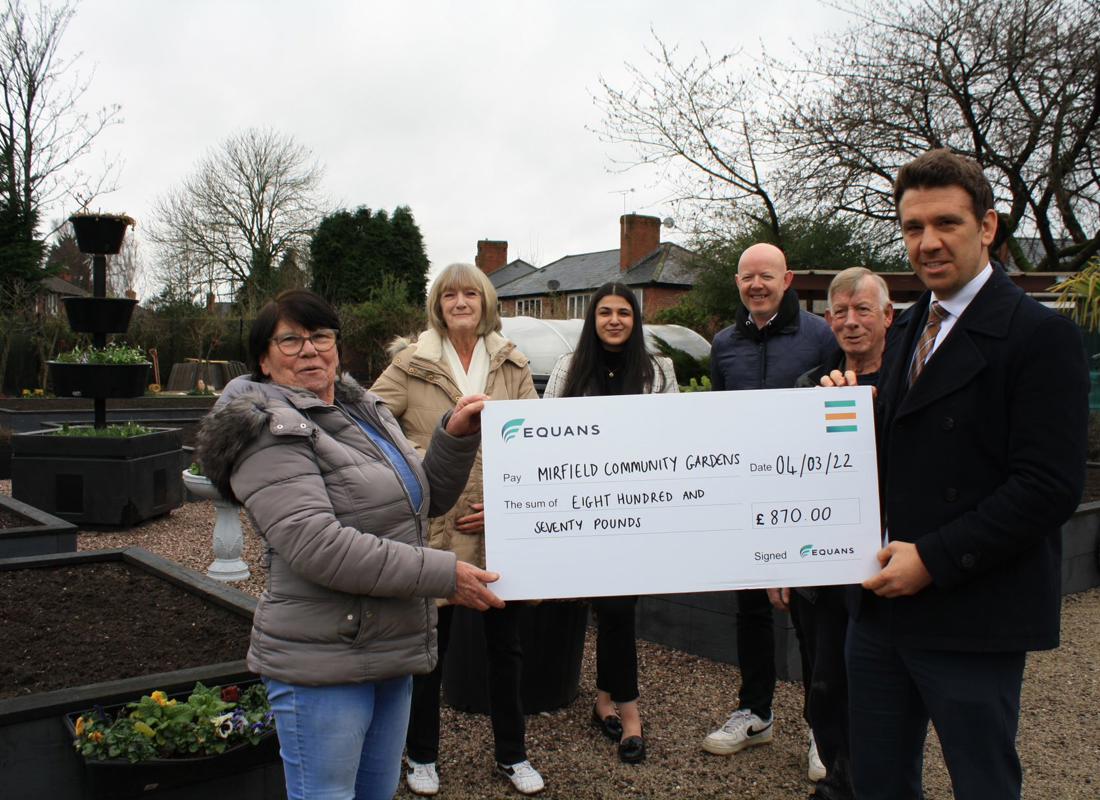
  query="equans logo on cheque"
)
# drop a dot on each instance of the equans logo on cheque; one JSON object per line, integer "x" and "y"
{"x": 809, "y": 551}
{"x": 515, "y": 427}
{"x": 511, "y": 429}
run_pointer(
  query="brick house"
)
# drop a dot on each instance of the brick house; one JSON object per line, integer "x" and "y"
{"x": 659, "y": 273}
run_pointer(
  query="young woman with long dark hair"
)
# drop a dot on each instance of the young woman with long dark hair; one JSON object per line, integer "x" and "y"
{"x": 611, "y": 359}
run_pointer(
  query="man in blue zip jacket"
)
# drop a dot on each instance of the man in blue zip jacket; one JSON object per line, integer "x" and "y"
{"x": 770, "y": 344}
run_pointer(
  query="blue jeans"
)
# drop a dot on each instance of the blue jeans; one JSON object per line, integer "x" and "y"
{"x": 341, "y": 742}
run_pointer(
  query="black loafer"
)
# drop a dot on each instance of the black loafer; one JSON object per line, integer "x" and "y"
{"x": 632, "y": 750}
{"x": 611, "y": 726}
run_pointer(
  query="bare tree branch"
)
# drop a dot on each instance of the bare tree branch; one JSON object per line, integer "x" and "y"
{"x": 1014, "y": 84}
{"x": 249, "y": 202}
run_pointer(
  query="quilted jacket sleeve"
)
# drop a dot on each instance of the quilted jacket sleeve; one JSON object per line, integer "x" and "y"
{"x": 280, "y": 484}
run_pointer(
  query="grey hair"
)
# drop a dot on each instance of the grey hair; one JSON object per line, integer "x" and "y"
{"x": 848, "y": 282}
{"x": 463, "y": 276}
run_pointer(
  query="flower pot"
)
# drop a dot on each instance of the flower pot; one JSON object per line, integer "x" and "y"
{"x": 98, "y": 380}
{"x": 99, "y": 314}
{"x": 107, "y": 779}
{"x": 99, "y": 234}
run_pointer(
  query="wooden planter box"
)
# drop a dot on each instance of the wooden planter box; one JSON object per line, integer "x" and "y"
{"x": 98, "y": 481}
{"x": 98, "y": 380}
{"x": 43, "y": 534}
{"x": 99, "y": 314}
{"x": 37, "y": 759}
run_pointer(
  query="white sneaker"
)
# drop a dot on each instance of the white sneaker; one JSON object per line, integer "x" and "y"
{"x": 816, "y": 770}
{"x": 422, "y": 778}
{"x": 743, "y": 729}
{"x": 523, "y": 776}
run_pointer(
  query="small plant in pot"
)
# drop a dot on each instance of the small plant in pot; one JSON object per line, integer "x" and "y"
{"x": 111, "y": 371}
{"x": 98, "y": 233}
{"x": 208, "y": 722}
{"x": 111, "y": 431}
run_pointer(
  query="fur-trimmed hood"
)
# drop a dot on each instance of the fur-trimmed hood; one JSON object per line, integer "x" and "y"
{"x": 244, "y": 410}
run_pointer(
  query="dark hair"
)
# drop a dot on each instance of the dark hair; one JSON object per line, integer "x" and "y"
{"x": 299, "y": 306}
{"x": 585, "y": 376}
{"x": 939, "y": 168}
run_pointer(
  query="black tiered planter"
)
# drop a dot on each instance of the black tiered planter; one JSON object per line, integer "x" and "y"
{"x": 99, "y": 480}
{"x": 99, "y": 314}
{"x": 99, "y": 234}
{"x": 98, "y": 380}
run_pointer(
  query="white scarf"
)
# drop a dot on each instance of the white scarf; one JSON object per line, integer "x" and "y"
{"x": 470, "y": 381}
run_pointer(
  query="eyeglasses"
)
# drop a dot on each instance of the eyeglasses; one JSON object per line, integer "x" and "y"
{"x": 291, "y": 344}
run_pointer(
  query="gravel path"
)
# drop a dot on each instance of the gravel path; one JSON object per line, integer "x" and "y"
{"x": 684, "y": 696}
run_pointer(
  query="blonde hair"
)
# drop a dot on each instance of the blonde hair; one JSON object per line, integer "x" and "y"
{"x": 848, "y": 282}
{"x": 457, "y": 277}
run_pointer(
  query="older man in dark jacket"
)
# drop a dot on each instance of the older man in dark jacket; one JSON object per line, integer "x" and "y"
{"x": 771, "y": 343}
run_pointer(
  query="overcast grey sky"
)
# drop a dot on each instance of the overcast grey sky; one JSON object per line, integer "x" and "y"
{"x": 472, "y": 113}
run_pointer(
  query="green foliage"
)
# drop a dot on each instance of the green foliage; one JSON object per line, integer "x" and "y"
{"x": 111, "y": 354}
{"x": 353, "y": 252}
{"x": 209, "y": 722}
{"x": 700, "y": 385}
{"x": 687, "y": 367}
{"x": 110, "y": 432}
{"x": 195, "y": 468}
{"x": 1081, "y": 294}
{"x": 368, "y": 327}
{"x": 20, "y": 251}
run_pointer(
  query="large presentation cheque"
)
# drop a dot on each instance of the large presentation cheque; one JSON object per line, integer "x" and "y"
{"x": 651, "y": 494}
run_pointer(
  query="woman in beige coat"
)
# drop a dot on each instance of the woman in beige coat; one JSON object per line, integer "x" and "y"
{"x": 462, "y": 349}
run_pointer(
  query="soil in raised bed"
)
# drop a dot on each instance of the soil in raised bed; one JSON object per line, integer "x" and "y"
{"x": 9, "y": 519}
{"x": 75, "y": 625}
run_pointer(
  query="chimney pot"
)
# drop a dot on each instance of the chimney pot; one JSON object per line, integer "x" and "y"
{"x": 638, "y": 237}
{"x": 491, "y": 255}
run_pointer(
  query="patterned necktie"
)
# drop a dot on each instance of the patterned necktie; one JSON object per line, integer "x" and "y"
{"x": 936, "y": 316}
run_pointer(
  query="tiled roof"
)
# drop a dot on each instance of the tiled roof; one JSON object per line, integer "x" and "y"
{"x": 669, "y": 264}
{"x": 55, "y": 285}
{"x": 510, "y": 272}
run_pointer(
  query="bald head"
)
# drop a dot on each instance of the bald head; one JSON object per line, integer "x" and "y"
{"x": 762, "y": 278}
{"x": 762, "y": 253}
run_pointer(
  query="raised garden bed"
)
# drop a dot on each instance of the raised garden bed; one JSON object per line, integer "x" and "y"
{"x": 101, "y": 628}
{"x": 98, "y": 481}
{"x": 28, "y": 531}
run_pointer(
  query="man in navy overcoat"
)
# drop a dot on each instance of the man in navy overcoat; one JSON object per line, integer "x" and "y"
{"x": 982, "y": 427}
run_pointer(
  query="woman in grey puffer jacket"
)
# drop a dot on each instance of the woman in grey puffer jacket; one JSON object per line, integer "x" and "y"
{"x": 342, "y": 501}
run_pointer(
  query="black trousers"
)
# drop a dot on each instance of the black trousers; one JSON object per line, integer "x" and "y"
{"x": 756, "y": 651}
{"x": 822, "y": 625}
{"x": 616, "y": 648}
{"x": 505, "y": 657}
{"x": 973, "y": 699}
